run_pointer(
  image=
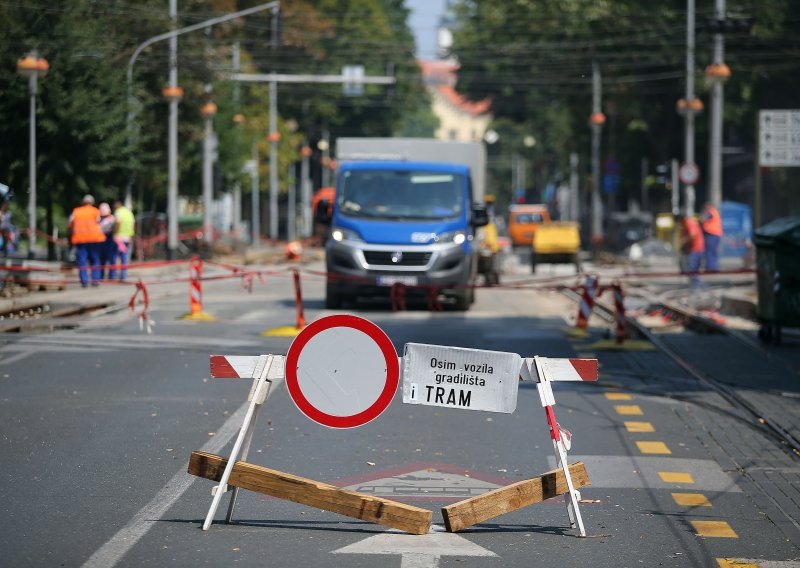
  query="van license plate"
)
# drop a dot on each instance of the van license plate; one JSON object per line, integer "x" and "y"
{"x": 391, "y": 280}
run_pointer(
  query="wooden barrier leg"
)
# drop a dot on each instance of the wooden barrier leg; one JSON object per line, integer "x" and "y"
{"x": 491, "y": 504}
{"x": 313, "y": 493}
{"x": 261, "y": 387}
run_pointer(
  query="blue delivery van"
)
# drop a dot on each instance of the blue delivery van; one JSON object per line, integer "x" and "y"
{"x": 399, "y": 219}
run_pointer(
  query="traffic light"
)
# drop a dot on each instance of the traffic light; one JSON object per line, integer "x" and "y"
{"x": 730, "y": 24}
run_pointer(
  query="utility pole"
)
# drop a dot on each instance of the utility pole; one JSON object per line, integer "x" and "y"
{"x": 237, "y": 186}
{"x": 574, "y": 201}
{"x": 716, "y": 74}
{"x": 596, "y": 120}
{"x": 291, "y": 210}
{"x": 172, "y": 145}
{"x": 692, "y": 106}
{"x": 274, "y": 137}
{"x": 255, "y": 200}
{"x": 208, "y": 111}
{"x": 305, "y": 191}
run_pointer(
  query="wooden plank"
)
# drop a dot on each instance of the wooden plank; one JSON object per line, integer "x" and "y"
{"x": 313, "y": 493}
{"x": 463, "y": 514}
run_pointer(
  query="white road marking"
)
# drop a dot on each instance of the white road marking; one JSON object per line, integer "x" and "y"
{"x": 107, "y": 342}
{"x": 15, "y": 358}
{"x": 417, "y": 551}
{"x": 112, "y": 551}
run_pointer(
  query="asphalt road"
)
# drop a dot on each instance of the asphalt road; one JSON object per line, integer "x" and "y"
{"x": 98, "y": 423}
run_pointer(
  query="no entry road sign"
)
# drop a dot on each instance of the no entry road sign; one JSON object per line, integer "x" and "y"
{"x": 342, "y": 371}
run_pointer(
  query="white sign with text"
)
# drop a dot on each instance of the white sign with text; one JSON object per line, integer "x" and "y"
{"x": 455, "y": 377}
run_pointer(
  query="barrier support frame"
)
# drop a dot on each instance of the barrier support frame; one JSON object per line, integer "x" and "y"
{"x": 258, "y": 394}
{"x": 548, "y": 402}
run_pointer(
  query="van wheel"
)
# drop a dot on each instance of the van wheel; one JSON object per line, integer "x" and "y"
{"x": 333, "y": 300}
{"x": 462, "y": 299}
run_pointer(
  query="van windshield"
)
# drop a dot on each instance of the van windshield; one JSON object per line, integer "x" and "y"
{"x": 383, "y": 194}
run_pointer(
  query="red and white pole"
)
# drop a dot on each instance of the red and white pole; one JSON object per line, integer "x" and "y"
{"x": 587, "y": 301}
{"x": 195, "y": 286}
{"x": 298, "y": 297}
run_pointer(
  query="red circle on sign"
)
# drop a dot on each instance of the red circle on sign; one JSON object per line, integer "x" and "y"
{"x": 387, "y": 350}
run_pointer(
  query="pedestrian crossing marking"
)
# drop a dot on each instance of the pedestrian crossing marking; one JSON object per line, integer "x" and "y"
{"x": 639, "y": 427}
{"x": 714, "y": 529}
{"x": 618, "y": 396}
{"x": 628, "y": 409}
{"x": 676, "y": 477}
{"x": 691, "y": 499}
{"x": 653, "y": 448}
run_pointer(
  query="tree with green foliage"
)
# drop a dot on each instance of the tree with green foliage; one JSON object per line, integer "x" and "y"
{"x": 534, "y": 60}
{"x": 83, "y": 143}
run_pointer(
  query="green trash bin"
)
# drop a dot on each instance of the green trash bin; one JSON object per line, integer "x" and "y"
{"x": 778, "y": 276}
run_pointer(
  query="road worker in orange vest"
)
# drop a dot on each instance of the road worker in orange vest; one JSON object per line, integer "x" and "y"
{"x": 712, "y": 234}
{"x": 88, "y": 239}
{"x": 692, "y": 246}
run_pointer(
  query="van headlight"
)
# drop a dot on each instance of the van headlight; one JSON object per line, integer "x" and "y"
{"x": 455, "y": 237}
{"x": 339, "y": 235}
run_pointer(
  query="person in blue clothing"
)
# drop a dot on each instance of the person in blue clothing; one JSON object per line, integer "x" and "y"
{"x": 711, "y": 223}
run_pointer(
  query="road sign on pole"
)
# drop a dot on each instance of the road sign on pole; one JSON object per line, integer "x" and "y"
{"x": 779, "y": 138}
{"x": 689, "y": 173}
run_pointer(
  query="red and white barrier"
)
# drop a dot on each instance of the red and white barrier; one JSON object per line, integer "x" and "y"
{"x": 196, "y": 312}
{"x": 545, "y": 370}
{"x": 144, "y": 320}
{"x": 587, "y": 301}
{"x": 620, "y": 321}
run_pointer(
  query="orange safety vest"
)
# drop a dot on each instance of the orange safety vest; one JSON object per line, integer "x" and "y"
{"x": 694, "y": 235}
{"x": 712, "y": 223}
{"x": 85, "y": 225}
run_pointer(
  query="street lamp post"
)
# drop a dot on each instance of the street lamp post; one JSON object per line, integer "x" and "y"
{"x": 172, "y": 197}
{"x": 33, "y": 67}
{"x": 716, "y": 75}
{"x": 208, "y": 111}
{"x": 596, "y": 120}
{"x": 689, "y": 106}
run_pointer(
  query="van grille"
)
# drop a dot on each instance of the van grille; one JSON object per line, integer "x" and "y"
{"x": 384, "y": 258}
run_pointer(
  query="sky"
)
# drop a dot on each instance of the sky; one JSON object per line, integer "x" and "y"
{"x": 424, "y": 18}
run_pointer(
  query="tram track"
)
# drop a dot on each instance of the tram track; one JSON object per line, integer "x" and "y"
{"x": 698, "y": 323}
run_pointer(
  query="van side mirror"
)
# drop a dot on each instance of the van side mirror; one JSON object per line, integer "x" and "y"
{"x": 480, "y": 217}
{"x": 322, "y": 214}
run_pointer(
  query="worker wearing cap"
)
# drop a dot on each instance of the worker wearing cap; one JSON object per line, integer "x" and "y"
{"x": 712, "y": 234}
{"x": 88, "y": 238}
